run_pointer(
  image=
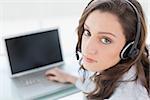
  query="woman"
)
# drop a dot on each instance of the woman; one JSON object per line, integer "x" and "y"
{"x": 111, "y": 39}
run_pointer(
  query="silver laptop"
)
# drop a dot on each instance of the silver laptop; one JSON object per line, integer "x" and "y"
{"x": 30, "y": 56}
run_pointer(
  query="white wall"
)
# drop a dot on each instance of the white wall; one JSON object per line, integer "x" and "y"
{"x": 31, "y": 9}
{"x": 19, "y": 16}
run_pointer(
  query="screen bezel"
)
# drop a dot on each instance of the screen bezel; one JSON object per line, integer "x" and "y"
{"x": 39, "y": 68}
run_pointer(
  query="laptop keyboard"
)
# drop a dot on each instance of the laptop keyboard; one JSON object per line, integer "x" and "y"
{"x": 28, "y": 82}
{"x": 41, "y": 80}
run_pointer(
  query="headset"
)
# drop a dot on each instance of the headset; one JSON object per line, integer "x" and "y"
{"x": 130, "y": 50}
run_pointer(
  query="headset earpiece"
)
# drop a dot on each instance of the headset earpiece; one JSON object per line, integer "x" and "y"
{"x": 133, "y": 53}
{"x": 129, "y": 52}
{"x": 125, "y": 52}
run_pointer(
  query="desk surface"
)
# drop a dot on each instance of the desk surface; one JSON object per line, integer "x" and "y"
{"x": 8, "y": 92}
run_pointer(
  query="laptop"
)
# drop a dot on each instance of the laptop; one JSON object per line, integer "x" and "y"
{"x": 30, "y": 55}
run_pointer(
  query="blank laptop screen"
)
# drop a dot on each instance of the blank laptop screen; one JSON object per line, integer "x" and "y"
{"x": 33, "y": 51}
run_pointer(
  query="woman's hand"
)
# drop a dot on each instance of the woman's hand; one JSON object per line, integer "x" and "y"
{"x": 59, "y": 75}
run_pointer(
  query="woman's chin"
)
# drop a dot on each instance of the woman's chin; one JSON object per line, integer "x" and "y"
{"x": 89, "y": 68}
{"x": 93, "y": 67}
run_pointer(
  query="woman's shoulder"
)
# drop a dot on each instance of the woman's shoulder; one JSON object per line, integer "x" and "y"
{"x": 133, "y": 90}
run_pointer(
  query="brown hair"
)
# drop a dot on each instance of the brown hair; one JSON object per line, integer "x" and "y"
{"x": 105, "y": 83}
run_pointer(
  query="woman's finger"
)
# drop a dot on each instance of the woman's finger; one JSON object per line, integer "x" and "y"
{"x": 51, "y": 72}
{"x": 53, "y": 78}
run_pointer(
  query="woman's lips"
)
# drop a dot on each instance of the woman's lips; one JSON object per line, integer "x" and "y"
{"x": 88, "y": 60}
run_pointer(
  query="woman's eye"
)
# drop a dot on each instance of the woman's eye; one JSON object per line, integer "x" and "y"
{"x": 105, "y": 40}
{"x": 86, "y": 33}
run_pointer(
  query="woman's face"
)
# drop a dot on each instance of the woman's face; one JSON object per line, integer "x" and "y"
{"x": 102, "y": 41}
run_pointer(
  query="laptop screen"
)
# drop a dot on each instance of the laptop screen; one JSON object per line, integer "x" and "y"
{"x": 33, "y": 51}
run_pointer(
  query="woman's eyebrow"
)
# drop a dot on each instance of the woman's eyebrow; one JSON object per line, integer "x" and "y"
{"x": 101, "y": 32}
{"x": 107, "y": 33}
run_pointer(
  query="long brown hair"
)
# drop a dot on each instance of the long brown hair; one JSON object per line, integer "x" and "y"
{"x": 105, "y": 83}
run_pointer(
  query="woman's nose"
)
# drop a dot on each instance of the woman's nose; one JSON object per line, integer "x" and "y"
{"x": 90, "y": 47}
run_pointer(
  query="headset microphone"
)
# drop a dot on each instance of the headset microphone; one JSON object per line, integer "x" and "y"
{"x": 77, "y": 55}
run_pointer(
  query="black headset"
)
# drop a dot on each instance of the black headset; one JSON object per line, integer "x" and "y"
{"x": 131, "y": 49}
